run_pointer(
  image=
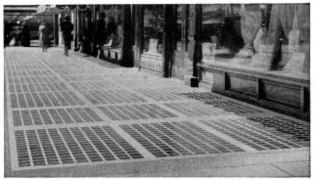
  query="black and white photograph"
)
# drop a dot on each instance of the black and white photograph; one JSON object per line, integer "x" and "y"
{"x": 211, "y": 89}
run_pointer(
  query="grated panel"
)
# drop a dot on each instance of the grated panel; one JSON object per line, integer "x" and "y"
{"x": 36, "y": 117}
{"x": 178, "y": 138}
{"x": 193, "y": 109}
{"x": 99, "y": 145}
{"x": 202, "y": 96}
{"x": 135, "y": 111}
{"x": 299, "y": 130}
{"x": 50, "y": 154}
{"x": 27, "y": 120}
{"x": 22, "y": 150}
{"x": 122, "y": 142}
{"x": 143, "y": 141}
{"x": 155, "y": 140}
{"x": 168, "y": 140}
{"x": 16, "y": 118}
{"x": 73, "y": 146}
{"x": 233, "y": 107}
{"x": 159, "y": 94}
{"x": 257, "y": 135}
{"x": 45, "y": 116}
{"x": 35, "y": 149}
{"x": 62, "y": 150}
{"x": 88, "y": 148}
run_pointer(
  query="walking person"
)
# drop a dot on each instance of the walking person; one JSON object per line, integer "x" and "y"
{"x": 66, "y": 28}
{"x": 44, "y": 36}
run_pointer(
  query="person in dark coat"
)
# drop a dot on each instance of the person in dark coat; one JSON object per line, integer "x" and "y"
{"x": 7, "y": 30}
{"x": 67, "y": 28}
{"x": 25, "y": 36}
{"x": 87, "y": 36}
{"x": 112, "y": 26}
{"x": 101, "y": 30}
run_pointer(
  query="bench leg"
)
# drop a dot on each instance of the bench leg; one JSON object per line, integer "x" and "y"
{"x": 116, "y": 56}
{"x": 81, "y": 48}
{"x": 98, "y": 54}
{"x": 102, "y": 53}
{"x": 109, "y": 55}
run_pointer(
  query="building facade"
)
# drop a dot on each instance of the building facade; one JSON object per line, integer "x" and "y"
{"x": 255, "y": 52}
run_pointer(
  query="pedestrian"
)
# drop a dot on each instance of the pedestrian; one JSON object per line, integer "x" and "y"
{"x": 101, "y": 33}
{"x": 25, "y": 36}
{"x": 44, "y": 35}
{"x": 66, "y": 28}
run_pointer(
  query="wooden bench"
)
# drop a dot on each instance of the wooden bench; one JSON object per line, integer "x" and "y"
{"x": 111, "y": 54}
{"x": 278, "y": 91}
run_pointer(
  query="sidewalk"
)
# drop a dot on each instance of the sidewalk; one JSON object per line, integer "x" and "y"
{"x": 78, "y": 116}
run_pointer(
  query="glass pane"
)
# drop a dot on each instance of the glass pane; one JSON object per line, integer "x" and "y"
{"x": 221, "y": 30}
{"x": 153, "y": 28}
{"x": 179, "y": 28}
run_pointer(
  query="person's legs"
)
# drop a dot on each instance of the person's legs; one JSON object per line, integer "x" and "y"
{"x": 66, "y": 50}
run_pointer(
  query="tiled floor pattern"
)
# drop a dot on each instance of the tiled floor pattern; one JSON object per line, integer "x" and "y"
{"x": 65, "y": 111}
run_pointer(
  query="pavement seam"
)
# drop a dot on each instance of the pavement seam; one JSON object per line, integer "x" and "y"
{"x": 282, "y": 170}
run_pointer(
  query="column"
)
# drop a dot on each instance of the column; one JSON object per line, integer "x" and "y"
{"x": 59, "y": 30}
{"x": 184, "y": 25}
{"x": 138, "y": 33}
{"x": 73, "y": 32}
{"x": 127, "y": 49}
{"x": 76, "y": 29}
{"x": 94, "y": 30}
{"x": 197, "y": 57}
{"x": 56, "y": 29}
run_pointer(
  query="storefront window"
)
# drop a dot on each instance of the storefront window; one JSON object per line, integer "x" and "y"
{"x": 221, "y": 31}
{"x": 153, "y": 28}
{"x": 266, "y": 36}
{"x": 179, "y": 27}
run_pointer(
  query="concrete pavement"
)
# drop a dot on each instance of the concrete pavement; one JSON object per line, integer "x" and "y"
{"x": 78, "y": 116}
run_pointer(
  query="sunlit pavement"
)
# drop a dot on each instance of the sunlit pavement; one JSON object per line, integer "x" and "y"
{"x": 79, "y": 116}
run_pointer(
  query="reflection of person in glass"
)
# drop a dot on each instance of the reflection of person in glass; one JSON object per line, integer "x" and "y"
{"x": 101, "y": 30}
{"x": 66, "y": 28}
{"x": 44, "y": 35}
{"x": 251, "y": 20}
{"x": 87, "y": 35}
{"x": 286, "y": 19}
{"x": 108, "y": 43}
{"x": 118, "y": 39}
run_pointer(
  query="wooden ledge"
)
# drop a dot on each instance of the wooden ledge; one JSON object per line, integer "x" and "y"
{"x": 257, "y": 72}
